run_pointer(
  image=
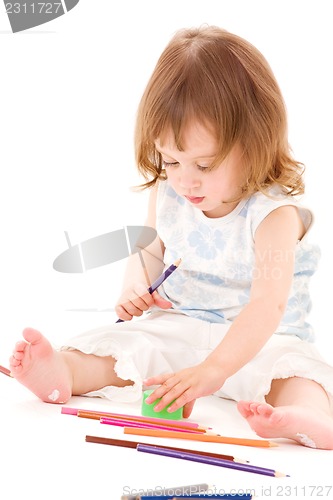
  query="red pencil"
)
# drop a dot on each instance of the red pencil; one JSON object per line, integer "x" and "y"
{"x": 5, "y": 371}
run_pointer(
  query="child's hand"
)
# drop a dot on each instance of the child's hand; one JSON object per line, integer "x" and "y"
{"x": 135, "y": 300}
{"x": 185, "y": 386}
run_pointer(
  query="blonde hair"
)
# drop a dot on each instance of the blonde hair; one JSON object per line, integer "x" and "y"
{"x": 220, "y": 80}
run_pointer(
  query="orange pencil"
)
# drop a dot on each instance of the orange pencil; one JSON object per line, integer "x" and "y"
{"x": 199, "y": 437}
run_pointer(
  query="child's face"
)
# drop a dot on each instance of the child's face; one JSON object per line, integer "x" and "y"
{"x": 188, "y": 174}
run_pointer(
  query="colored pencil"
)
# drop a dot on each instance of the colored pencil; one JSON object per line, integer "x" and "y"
{"x": 164, "y": 276}
{"x": 195, "y": 457}
{"x": 5, "y": 371}
{"x": 94, "y": 414}
{"x": 172, "y": 424}
{"x": 154, "y": 286}
{"x": 200, "y": 437}
{"x": 226, "y": 496}
{"x": 141, "y": 425}
{"x": 133, "y": 444}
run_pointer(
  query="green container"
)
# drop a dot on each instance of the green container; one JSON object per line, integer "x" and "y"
{"x": 147, "y": 410}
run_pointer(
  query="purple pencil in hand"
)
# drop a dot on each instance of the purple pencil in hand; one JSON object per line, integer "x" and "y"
{"x": 154, "y": 286}
{"x": 164, "y": 276}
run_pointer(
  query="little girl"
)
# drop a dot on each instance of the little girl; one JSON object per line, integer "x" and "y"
{"x": 211, "y": 142}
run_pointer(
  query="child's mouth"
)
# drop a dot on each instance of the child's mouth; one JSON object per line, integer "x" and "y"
{"x": 195, "y": 199}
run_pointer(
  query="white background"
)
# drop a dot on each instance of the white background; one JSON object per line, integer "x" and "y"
{"x": 68, "y": 97}
{"x": 69, "y": 91}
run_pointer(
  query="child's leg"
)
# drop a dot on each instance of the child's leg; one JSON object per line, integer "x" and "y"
{"x": 55, "y": 376}
{"x": 296, "y": 408}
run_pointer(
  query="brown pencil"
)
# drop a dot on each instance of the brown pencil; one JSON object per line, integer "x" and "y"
{"x": 133, "y": 444}
{"x": 199, "y": 437}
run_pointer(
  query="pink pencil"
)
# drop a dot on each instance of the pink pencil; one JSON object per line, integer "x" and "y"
{"x": 5, "y": 371}
{"x": 137, "y": 418}
{"x": 141, "y": 425}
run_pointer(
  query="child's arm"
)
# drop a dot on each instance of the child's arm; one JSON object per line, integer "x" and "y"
{"x": 140, "y": 272}
{"x": 275, "y": 243}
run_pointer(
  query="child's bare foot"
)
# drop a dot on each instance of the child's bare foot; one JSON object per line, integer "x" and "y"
{"x": 302, "y": 424}
{"x": 36, "y": 365}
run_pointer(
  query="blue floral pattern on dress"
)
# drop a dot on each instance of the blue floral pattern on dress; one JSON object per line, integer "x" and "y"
{"x": 213, "y": 281}
{"x": 207, "y": 241}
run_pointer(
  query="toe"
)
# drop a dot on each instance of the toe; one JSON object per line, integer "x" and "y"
{"x": 18, "y": 355}
{"x": 14, "y": 361}
{"x": 265, "y": 410}
{"x": 244, "y": 408}
{"x": 254, "y": 407}
{"x": 31, "y": 335}
{"x": 20, "y": 346}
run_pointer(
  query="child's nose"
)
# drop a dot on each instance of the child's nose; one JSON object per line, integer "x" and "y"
{"x": 188, "y": 179}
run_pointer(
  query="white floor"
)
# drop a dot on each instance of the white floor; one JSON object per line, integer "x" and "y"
{"x": 44, "y": 455}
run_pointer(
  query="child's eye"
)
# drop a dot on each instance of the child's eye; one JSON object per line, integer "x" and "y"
{"x": 169, "y": 163}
